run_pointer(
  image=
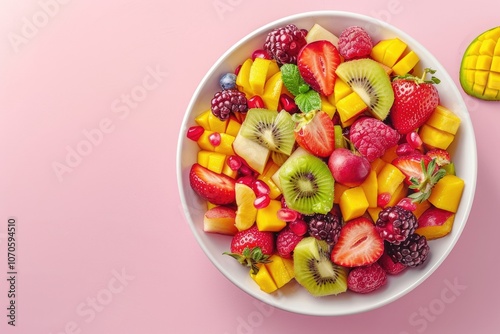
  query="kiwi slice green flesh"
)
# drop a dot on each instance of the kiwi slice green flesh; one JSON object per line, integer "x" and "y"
{"x": 371, "y": 82}
{"x": 271, "y": 129}
{"x": 307, "y": 184}
{"x": 315, "y": 271}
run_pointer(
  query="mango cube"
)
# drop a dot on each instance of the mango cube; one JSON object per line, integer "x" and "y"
{"x": 340, "y": 90}
{"x": 258, "y": 75}
{"x": 202, "y": 119}
{"x": 242, "y": 79}
{"x": 264, "y": 279}
{"x": 406, "y": 64}
{"x": 370, "y": 187}
{"x": 338, "y": 190}
{"x": 278, "y": 271}
{"x": 233, "y": 126}
{"x": 447, "y": 193}
{"x": 350, "y": 106}
{"x": 225, "y": 146}
{"x": 393, "y": 52}
{"x": 272, "y": 91}
{"x": 374, "y": 212}
{"x": 435, "y": 138}
{"x": 353, "y": 203}
{"x": 444, "y": 119}
{"x": 267, "y": 218}
{"x": 389, "y": 179}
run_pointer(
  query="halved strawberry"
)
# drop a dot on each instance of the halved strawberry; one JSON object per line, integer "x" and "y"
{"x": 442, "y": 156}
{"x": 317, "y": 62}
{"x": 411, "y": 166}
{"x": 213, "y": 187}
{"x": 421, "y": 174}
{"x": 359, "y": 244}
{"x": 315, "y": 132}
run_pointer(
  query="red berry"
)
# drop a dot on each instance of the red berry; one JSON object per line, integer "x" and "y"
{"x": 213, "y": 187}
{"x": 298, "y": 226}
{"x": 355, "y": 42}
{"x": 262, "y": 201}
{"x": 366, "y": 279}
{"x": 390, "y": 267}
{"x": 214, "y": 139}
{"x": 372, "y": 137}
{"x": 286, "y": 242}
{"x": 194, "y": 133}
{"x": 251, "y": 238}
{"x": 284, "y": 43}
{"x": 395, "y": 224}
{"x": 255, "y": 102}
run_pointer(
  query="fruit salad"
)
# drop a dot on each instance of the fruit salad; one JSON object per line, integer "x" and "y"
{"x": 325, "y": 160}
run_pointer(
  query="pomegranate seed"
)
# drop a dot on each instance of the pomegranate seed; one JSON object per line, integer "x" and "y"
{"x": 288, "y": 104}
{"x": 288, "y": 215}
{"x": 283, "y": 203}
{"x": 260, "y": 54}
{"x": 262, "y": 201}
{"x": 214, "y": 139}
{"x": 255, "y": 102}
{"x": 247, "y": 180}
{"x": 195, "y": 132}
{"x": 237, "y": 69}
{"x": 298, "y": 226}
{"x": 414, "y": 139}
{"x": 260, "y": 188}
{"x": 234, "y": 162}
{"x": 383, "y": 199}
{"x": 408, "y": 204}
{"x": 245, "y": 170}
{"x": 405, "y": 149}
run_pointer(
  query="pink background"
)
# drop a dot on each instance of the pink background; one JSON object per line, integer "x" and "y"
{"x": 103, "y": 246}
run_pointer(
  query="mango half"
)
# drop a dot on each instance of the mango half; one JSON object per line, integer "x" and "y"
{"x": 480, "y": 67}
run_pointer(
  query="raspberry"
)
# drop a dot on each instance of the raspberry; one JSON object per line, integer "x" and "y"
{"x": 226, "y": 101}
{"x": 411, "y": 253}
{"x": 395, "y": 224}
{"x": 284, "y": 43}
{"x": 372, "y": 137}
{"x": 286, "y": 242}
{"x": 324, "y": 227}
{"x": 366, "y": 279}
{"x": 355, "y": 42}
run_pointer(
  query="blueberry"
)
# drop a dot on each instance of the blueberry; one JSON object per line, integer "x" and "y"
{"x": 228, "y": 81}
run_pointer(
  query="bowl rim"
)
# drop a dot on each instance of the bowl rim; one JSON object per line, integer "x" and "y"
{"x": 444, "y": 75}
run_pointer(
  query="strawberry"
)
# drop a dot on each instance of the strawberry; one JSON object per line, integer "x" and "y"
{"x": 359, "y": 244}
{"x": 252, "y": 247}
{"x": 442, "y": 156}
{"x": 366, "y": 279}
{"x": 213, "y": 187}
{"x": 317, "y": 62}
{"x": 421, "y": 174}
{"x": 414, "y": 101}
{"x": 314, "y": 131}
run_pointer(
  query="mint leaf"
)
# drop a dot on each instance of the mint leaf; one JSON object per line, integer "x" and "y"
{"x": 308, "y": 101}
{"x": 292, "y": 79}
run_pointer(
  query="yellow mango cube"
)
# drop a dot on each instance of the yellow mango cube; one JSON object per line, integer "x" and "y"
{"x": 327, "y": 106}
{"x": 272, "y": 91}
{"x": 406, "y": 64}
{"x": 338, "y": 190}
{"x": 393, "y": 52}
{"x": 202, "y": 119}
{"x": 390, "y": 154}
{"x": 400, "y": 193}
{"x": 389, "y": 179}
{"x": 377, "y": 165}
{"x": 435, "y": 138}
{"x": 447, "y": 193}
{"x": 216, "y": 162}
{"x": 216, "y": 124}
{"x": 278, "y": 271}
{"x": 267, "y": 218}
{"x": 374, "y": 212}
{"x": 370, "y": 187}
{"x": 258, "y": 75}
{"x": 264, "y": 279}
{"x": 350, "y": 106}
{"x": 353, "y": 203}
{"x": 379, "y": 49}
{"x": 444, "y": 119}
{"x": 340, "y": 90}
{"x": 421, "y": 208}
{"x": 233, "y": 126}
{"x": 242, "y": 79}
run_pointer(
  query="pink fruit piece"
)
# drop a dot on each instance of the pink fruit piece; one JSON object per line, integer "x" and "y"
{"x": 372, "y": 137}
{"x": 286, "y": 242}
{"x": 366, "y": 279}
{"x": 355, "y": 42}
{"x": 390, "y": 267}
{"x": 298, "y": 226}
{"x": 262, "y": 201}
{"x": 194, "y": 132}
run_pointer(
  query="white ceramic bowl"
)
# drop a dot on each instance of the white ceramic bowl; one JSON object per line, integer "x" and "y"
{"x": 292, "y": 297}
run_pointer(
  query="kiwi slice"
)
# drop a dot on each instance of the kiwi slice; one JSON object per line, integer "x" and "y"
{"x": 371, "y": 82}
{"x": 307, "y": 184}
{"x": 271, "y": 129}
{"x": 315, "y": 271}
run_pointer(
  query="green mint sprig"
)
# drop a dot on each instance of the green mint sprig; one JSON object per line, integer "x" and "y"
{"x": 306, "y": 98}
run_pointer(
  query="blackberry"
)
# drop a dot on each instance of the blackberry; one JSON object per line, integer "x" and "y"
{"x": 284, "y": 43}
{"x": 324, "y": 227}
{"x": 395, "y": 224}
{"x": 411, "y": 253}
{"x": 226, "y": 101}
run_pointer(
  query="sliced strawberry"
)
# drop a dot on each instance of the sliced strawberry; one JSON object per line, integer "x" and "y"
{"x": 359, "y": 244}
{"x": 317, "y": 63}
{"x": 411, "y": 166}
{"x": 215, "y": 188}
{"x": 442, "y": 156}
{"x": 315, "y": 132}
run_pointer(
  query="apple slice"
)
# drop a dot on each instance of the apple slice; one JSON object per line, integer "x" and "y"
{"x": 220, "y": 219}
